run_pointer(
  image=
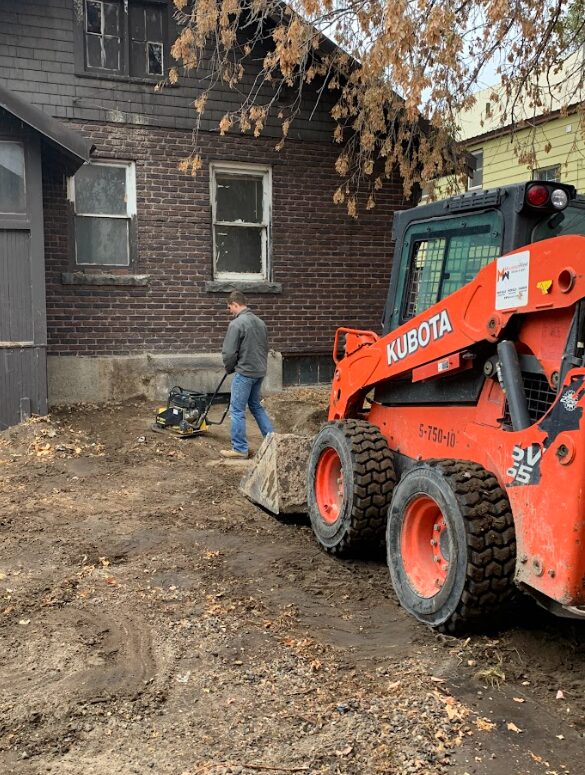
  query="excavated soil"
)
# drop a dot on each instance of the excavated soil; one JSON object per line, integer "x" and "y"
{"x": 154, "y": 621}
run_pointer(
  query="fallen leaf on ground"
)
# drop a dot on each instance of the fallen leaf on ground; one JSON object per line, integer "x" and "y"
{"x": 484, "y": 724}
{"x": 513, "y": 728}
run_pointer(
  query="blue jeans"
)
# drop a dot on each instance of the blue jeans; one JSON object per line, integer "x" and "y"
{"x": 246, "y": 390}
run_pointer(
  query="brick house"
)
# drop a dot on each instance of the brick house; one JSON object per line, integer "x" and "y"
{"x": 123, "y": 263}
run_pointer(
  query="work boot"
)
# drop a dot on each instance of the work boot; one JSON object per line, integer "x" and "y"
{"x": 233, "y": 454}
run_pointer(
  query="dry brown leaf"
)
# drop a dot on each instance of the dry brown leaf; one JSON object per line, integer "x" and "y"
{"x": 513, "y": 728}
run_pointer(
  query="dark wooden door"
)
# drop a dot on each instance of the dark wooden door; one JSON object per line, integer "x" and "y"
{"x": 23, "y": 337}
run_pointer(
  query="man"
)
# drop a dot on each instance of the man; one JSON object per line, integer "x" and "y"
{"x": 245, "y": 351}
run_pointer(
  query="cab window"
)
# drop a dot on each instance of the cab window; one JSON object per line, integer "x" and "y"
{"x": 439, "y": 258}
{"x": 570, "y": 221}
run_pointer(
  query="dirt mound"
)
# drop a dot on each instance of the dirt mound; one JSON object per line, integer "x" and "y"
{"x": 46, "y": 438}
{"x": 298, "y": 410}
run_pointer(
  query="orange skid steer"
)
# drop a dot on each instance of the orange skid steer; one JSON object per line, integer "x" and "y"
{"x": 458, "y": 434}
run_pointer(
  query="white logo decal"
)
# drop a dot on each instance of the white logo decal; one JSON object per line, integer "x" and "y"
{"x": 569, "y": 400}
{"x": 512, "y": 277}
{"x": 428, "y": 331}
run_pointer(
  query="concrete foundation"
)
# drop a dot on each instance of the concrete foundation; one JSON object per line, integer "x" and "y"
{"x": 74, "y": 380}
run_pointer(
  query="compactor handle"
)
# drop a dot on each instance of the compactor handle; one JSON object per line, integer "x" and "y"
{"x": 354, "y": 339}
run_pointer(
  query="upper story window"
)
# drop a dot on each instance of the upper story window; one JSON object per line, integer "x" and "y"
{"x": 103, "y": 196}
{"x": 475, "y": 180}
{"x": 241, "y": 202}
{"x": 123, "y": 38}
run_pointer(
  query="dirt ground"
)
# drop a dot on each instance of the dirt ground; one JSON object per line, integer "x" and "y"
{"x": 153, "y": 620}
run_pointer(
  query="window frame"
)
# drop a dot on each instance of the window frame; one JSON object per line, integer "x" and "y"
{"x": 477, "y": 186}
{"x": 487, "y": 221}
{"x": 551, "y": 167}
{"x": 18, "y": 215}
{"x": 130, "y": 217}
{"x": 81, "y": 68}
{"x": 244, "y": 169}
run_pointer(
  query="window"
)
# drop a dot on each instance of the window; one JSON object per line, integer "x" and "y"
{"x": 569, "y": 221}
{"x": 552, "y": 174}
{"x": 444, "y": 256}
{"x": 104, "y": 203}
{"x": 475, "y": 180}
{"x": 12, "y": 185}
{"x": 241, "y": 212}
{"x": 121, "y": 38}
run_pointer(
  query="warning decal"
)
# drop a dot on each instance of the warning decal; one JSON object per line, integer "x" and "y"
{"x": 512, "y": 280}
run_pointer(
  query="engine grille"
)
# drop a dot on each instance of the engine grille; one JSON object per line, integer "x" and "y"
{"x": 539, "y": 397}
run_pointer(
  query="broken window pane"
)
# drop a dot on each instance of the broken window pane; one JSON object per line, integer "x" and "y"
{"x": 239, "y": 198}
{"x": 155, "y": 58}
{"x": 238, "y": 249}
{"x": 102, "y": 241}
{"x": 12, "y": 190}
{"x": 93, "y": 16}
{"x": 100, "y": 189}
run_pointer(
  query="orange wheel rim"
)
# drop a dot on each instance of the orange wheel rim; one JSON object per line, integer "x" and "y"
{"x": 425, "y": 546}
{"x": 329, "y": 485}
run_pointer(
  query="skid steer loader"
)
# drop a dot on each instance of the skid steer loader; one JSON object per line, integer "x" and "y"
{"x": 456, "y": 435}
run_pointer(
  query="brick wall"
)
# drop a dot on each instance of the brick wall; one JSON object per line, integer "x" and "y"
{"x": 334, "y": 270}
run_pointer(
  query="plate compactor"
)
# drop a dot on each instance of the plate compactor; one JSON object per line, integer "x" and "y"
{"x": 456, "y": 435}
{"x": 187, "y": 411}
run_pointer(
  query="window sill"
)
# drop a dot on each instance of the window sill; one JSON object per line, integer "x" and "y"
{"x": 102, "y": 278}
{"x": 250, "y": 286}
{"x": 110, "y": 75}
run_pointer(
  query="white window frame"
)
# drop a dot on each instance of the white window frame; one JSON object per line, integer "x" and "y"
{"x": 241, "y": 168}
{"x": 130, "y": 168}
{"x": 556, "y": 168}
{"x": 476, "y": 153}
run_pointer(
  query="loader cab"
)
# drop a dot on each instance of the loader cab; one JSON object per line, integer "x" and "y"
{"x": 441, "y": 246}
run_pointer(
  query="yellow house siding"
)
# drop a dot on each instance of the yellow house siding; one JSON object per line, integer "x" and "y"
{"x": 500, "y": 160}
{"x": 500, "y": 157}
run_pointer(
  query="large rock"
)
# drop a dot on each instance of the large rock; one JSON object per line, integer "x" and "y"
{"x": 277, "y": 479}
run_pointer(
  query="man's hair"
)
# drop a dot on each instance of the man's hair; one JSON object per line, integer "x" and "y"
{"x": 237, "y": 297}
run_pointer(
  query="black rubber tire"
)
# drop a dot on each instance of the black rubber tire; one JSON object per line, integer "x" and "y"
{"x": 480, "y": 578}
{"x": 368, "y": 482}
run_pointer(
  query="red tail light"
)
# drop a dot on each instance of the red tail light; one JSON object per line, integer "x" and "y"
{"x": 538, "y": 195}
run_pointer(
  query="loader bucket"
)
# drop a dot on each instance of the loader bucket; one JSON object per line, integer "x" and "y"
{"x": 277, "y": 479}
